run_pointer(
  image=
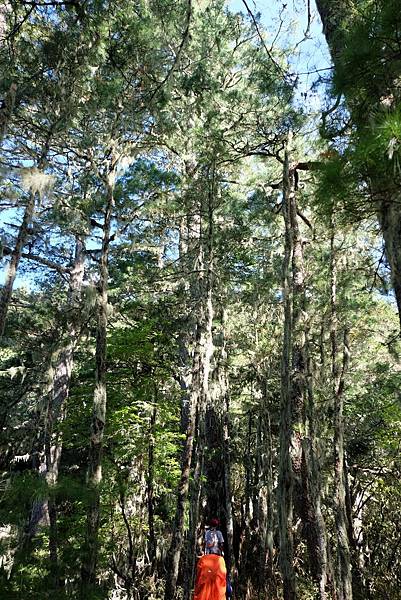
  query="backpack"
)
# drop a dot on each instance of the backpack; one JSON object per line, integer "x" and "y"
{"x": 211, "y": 538}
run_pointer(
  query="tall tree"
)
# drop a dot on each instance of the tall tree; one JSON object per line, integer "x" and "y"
{"x": 286, "y": 481}
{"x": 367, "y": 71}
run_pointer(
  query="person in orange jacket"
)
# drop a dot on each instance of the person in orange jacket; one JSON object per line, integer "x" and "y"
{"x": 211, "y": 576}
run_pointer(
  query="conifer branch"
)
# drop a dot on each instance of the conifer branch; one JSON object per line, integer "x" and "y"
{"x": 269, "y": 54}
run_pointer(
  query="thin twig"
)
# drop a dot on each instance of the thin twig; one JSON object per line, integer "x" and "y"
{"x": 307, "y": 30}
{"x": 269, "y": 54}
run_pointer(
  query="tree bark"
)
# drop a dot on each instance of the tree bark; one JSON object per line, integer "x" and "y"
{"x": 333, "y": 16}
{"x": 285, "y": 479}
{"x": 390, "y": 222}
{"x": 62, "y": 364}
{"x": 298, "y": 482}
{"x": 94, "y": 478}
{"x": 185, "y": 246}
{"x": 344, "y": 577}
{"x": 178, "y": 532}
{"x": 270, "y": 525}
{"x": 218, "y": 484}
{"x": 22, "y": 238}
{"x": 61, "y": 387}
{"x": 150, "y": 490}
{"x": 304, "y": 459}
{"x": 194, "y": 508}
{"x": 202, "y": 354}
{"x": 264, "y": 485}
{"x": 225, "y": 399}
{"x": 228, "y": 553}
{"x": 7, "y": 109}
{"x": 315, "y": 523}
{"x": 360, "y": 590}
{"x": 248, "y": 460}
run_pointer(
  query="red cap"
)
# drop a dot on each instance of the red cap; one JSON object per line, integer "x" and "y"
{"x": 214, "y": 522}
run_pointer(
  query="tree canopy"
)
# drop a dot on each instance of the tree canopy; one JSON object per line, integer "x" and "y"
{"x": 199, "y": 311}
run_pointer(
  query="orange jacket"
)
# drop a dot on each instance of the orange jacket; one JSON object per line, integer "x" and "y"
{"x": 211, "y": 578}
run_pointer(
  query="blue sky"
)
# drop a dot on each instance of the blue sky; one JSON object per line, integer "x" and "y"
{"x": 286, "y": 24}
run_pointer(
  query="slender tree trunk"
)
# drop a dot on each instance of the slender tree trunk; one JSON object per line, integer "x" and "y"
{"x": 56, "y": 412}
{"x": 344, "y": 578}
{"x": 22, "y": 238}
{"x": 178, "y": 532}
{"x": 195, "y": 401}
{"x": 194, "y": 509}
{"x": 390, "y": 222}
{"x": 61, "y": 368}
{"x": 188, "y": 332}
{"x": 316, "y": 527}
{"x": 270, "y": 525}
{"x": 39, "y": 516}
{"x": 266, "y": 509}
{"x": 190, "y": 245}
{"x": 229, "y": 555}
{"x": 150, "y": 490}
{"x": 219, "y": 406}
{"x": 354, "y": 529}
{"x": 7, "y": 108}
{"x": 302, "y": 440}
{"x": 285, "y": 480}
{"x": 89, "y": 563}
{"x": 297, "y": 383}
{"x": 248, "y": 470}
{"x": 202, "y": 355}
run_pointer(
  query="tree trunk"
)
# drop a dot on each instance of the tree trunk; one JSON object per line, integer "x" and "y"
{"x": 7, "y": 108}
{"x": 311, "y": 511}
{"x": 390, "y": 222}
{"x": 194, "y": 509}
{"x": 94, "y": 478}
{"x": 344, "y": 578}
{"x": 270, "y": 525}
{"x": 285, "y": 479}
{"x": 304, "y": 460}
{"x": 62, "y": 361}
{"x": 187, "y": 334}
{"x": 334, "y": 15}
{"x": 354, "y": 525}
{"x": 248, "y": 454}
{"x": 266, "y": 508}
{"x": 178, "y": 532}
{"x": 313, "y": 518}
{"x": 202, "y": 354}
{"x": 297, "y": 383}
{"x": 218, "y": 438}
{"x": 228, "y": 492}
{"x": 61, "y": 388}
{"x": 22, "y": 238}
{"x": 150, "y": 490}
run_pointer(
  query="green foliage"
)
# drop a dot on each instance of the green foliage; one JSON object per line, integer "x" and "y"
{"x": 193, "y": 125}
{"x": 371, "y": 34}
{"x": 20, "y": 493}
{"x": 367, "y": 133}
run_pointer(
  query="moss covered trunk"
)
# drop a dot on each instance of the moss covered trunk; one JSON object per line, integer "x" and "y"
{"x": 94, "y": 478}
